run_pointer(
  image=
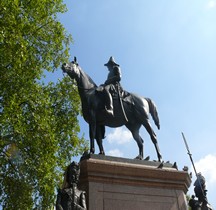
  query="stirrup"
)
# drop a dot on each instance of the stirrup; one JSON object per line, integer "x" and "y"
{"x": 109, "y": 111}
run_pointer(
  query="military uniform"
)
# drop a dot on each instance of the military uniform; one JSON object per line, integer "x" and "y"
{"x": 200, "y": 188}
{"x": 71, "y": 199}
{"x": 112, "y": 82}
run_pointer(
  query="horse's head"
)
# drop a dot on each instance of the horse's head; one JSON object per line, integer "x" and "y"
{"x": 75, "y": 72}
{"x": 72, "y": 69}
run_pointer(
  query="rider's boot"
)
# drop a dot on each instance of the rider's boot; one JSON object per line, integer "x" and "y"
{"x": 108, "y": 103}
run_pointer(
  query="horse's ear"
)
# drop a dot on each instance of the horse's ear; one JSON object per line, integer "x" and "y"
{"x": 75, "y": 59}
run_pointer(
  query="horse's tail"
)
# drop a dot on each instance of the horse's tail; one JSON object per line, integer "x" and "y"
{"x": 153, "y": 112}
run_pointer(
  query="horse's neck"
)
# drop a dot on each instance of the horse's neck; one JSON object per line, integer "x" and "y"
{"x": 85, "y": 84}
{"x": 85, "y": 87}
{"x": 84, "y": 81}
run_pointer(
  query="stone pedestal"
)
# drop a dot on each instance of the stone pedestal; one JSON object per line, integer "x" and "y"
{"x": 125, "y": 184}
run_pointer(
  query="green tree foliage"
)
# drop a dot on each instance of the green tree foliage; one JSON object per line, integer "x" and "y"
{"x": 38, "y": 122}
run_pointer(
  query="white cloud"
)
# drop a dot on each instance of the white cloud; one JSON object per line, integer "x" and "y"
{"x": 211, "y": 4}
{"x": 119, "y": 136}
{"x": 207, "y": 166}
{"x": 115, "y": 152}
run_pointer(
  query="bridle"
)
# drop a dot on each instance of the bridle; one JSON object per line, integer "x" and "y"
{"x": 80, "y": 87}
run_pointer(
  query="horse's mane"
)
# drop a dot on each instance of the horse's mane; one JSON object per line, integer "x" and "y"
{"x": 89, "y": 78}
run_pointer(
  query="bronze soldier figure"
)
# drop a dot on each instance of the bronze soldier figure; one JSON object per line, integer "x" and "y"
{"x": 201, "y": 193}
{"x": 70, "y": 197}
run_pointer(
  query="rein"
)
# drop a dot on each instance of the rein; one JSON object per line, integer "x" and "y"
{"x": 83, "y": 87}
{"x": 77, "y": 84}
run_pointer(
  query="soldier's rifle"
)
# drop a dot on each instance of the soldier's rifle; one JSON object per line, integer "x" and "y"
{"x": 190, "y": 155}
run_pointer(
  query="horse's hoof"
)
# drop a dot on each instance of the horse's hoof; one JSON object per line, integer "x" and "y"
{"x": 160, "y": 159}
{"x": 91, "y": 152}
{"x": 161, "y": 165}
{"x": 101, "y": 153}
{"x": 138, "y": 157}
{"x": 147, "y": 158}
{"x": 85, "y": 153}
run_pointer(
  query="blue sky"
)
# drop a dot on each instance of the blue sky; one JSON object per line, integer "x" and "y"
{"x": 167, "y": 52}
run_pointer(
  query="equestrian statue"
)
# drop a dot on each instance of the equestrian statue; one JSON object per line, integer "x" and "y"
{"x": 109, "y": 105}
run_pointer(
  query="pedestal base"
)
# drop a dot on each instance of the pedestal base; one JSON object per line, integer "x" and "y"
{"x": 125, "y": 184}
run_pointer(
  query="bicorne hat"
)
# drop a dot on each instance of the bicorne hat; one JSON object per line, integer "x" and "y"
{"x": 111, "y": 62}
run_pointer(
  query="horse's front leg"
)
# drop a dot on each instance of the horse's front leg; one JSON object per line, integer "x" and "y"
{"x": 92, "y": 131}
{"x": 100, "y": 132}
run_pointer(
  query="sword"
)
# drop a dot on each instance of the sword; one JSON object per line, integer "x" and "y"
{"x": 122, "y": 106}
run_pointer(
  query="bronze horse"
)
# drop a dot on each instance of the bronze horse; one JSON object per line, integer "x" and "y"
{"x": 132, "y": 111}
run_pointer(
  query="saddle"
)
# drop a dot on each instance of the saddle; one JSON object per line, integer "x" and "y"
{"x": 113, "y": 90}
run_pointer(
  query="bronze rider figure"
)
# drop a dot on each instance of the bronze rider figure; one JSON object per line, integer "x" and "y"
{"x": 113, "y": 79}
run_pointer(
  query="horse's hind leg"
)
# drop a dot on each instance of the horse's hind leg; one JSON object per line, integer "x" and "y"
{"x": 134, "y": 128}
{"x": 152, "y": 134}
{"x": 100, "y": 145}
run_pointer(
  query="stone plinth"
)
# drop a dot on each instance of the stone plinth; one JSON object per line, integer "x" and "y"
{"x": 125, "y": 184}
